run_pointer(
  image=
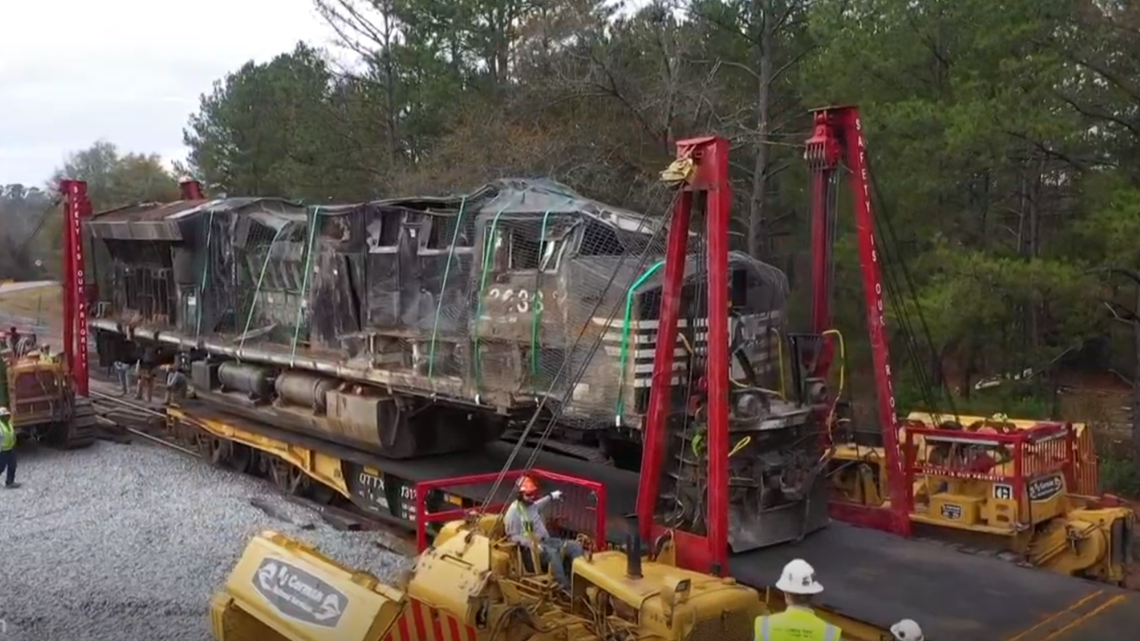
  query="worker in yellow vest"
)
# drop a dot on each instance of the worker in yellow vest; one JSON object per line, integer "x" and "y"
{"x": 8, "y": 449}
{"x": 797, "y": 622}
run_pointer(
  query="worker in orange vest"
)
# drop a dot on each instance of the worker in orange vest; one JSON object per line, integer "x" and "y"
{"x": 525, "y": 526}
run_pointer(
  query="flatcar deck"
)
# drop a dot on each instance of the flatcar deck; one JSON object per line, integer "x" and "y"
{"x": 879, "y": 578}
{"x": 869, "y": 576}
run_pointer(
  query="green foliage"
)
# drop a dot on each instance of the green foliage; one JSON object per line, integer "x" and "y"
{"x": 115, "y": 179}
{"x": 1119, "y": 476}
{"x": 21, "y": 209}
{"x": 1027, "y": 403}
{"x": 972, "y": 299}
{"x": 285, "y": 128}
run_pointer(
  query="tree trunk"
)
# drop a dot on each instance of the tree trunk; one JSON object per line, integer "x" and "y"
{"x": 757, "y": 234}
{"x": 1136, "y": 389}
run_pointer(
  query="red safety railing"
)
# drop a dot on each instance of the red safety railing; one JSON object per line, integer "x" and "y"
{"x": 1019, "y": 459}
{"x": 580, "y": 510}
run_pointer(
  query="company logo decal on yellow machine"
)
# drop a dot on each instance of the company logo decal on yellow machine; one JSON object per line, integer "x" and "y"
{"x": 299, "y": 595}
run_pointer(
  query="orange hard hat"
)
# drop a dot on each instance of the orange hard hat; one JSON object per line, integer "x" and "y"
{"x": 527, "y": 485}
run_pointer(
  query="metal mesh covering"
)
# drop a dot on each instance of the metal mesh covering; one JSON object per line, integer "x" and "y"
{"x": 497, "y": 297}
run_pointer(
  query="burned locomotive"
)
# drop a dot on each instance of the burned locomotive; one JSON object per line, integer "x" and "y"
{"x": 417, "y": 326}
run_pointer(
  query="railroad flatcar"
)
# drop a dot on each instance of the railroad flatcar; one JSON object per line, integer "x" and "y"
{"x": 417, "y": 326}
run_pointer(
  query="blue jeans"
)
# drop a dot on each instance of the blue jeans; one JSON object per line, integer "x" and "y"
{"x": 8, "y": 463}
{"x": 552, "y": 550}
{"x": 123, "y": 372}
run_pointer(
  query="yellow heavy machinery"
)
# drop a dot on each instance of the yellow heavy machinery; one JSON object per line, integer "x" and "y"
{"x": 964, "y": 478}
{"x": 708, "y": 567}
{"x": 472, "y": 584}
{"x": 38, "y": 391}
{"x": 47, "y": 393}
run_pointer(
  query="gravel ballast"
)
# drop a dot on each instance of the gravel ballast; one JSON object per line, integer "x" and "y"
{"x": 126, "y": 542}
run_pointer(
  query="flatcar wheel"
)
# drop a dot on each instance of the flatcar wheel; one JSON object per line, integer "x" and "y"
{"x": 203, "y": 446}
{"x": 321, "y": 493}
{"x": 219, "y": 451}
{"x": 280, "y": 473}
{"x": 298, "y": 482}
{"x": 241, "y": 458}
{"x": 318, "y": 492}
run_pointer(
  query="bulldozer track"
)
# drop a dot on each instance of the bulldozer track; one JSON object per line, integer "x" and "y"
{"x": 124, "y": 416}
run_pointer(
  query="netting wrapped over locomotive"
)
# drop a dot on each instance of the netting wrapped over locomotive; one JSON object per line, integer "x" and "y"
{"x": 358, "y": 321}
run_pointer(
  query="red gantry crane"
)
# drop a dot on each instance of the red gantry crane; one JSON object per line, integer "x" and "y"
{"x": 873, "y": 575}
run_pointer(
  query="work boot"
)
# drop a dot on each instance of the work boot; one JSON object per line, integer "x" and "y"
{"x": 11, "y": 486}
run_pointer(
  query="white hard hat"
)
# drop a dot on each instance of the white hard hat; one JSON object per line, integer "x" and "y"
{"x": 799, "y": 578}
{"x": 4, "y": 411}
{"x": 906, "y": 630}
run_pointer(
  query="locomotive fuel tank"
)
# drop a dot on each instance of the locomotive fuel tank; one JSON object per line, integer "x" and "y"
{"x": 306, "y": 390}
{"x": 251, "y": 379}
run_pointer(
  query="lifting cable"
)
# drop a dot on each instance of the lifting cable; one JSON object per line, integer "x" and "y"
{"x": 302, "y": 301}
{"x": 205, "y": 272}
{"x": 625, "y": 329}
{"x": 22, "y": 248}
{"x": 884, "y": 221}
{"x": 443, "y": 285}
{"x": 260, "y": 281}
{"x": 643, "y": 258}
{"x": 536, "y": 315}
{"x": 488, "y": 249}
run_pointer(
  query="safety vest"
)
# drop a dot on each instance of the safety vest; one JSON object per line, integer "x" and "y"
{"x": 7, "y": 435}
{"x": 527, "y": 522}
{"x": 795, "y": 624}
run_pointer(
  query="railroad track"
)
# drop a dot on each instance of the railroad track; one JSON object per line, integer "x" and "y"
{"x": 128, "y": 417}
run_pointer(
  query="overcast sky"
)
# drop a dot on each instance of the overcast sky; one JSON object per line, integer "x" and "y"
{"x": 128, "y": 71}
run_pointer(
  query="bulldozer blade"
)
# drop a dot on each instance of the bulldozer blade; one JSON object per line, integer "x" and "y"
{"x": 284, "y": 589}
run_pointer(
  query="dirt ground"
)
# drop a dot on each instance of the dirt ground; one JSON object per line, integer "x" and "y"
{"x": 38, "y": 309}
{"x": 43, "y": 303}
{"x": 34, "y": 308}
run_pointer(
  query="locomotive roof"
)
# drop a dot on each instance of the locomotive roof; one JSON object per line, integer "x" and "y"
{"x": 510, "y": 198}
{"x": 514, "y": 198}
{"x": 167, "y": 221}
{"x": 181, "y": 209}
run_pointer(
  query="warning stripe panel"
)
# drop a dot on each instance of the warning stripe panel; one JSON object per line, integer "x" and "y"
{"x": 422, "y": 623}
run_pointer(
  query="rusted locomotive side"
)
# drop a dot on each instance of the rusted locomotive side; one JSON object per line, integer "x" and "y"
{"x": 416, "y": 326}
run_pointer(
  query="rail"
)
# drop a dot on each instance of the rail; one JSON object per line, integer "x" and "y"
{"x": 580, "y": 510}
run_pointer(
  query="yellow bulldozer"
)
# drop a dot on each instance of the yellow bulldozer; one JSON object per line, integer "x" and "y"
{"x": 36, "y": 387}
{"x": 473, "y": 584}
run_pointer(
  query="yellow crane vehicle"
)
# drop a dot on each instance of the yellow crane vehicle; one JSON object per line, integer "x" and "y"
{"x": 962, "y": 480}
{"x": 39, "y": 393}
{"x": 46, "y": 392}
{"x": 719, "y": 521}
{"x": 473, "y": 584}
